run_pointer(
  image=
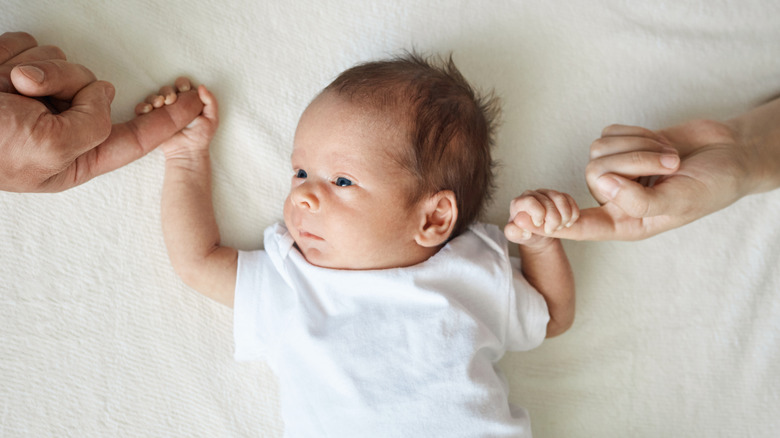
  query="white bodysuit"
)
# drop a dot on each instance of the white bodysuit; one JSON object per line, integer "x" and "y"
{"x": 404, "y": 352}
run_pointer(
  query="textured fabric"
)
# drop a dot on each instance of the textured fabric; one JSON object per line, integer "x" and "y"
{"x": 676, "y": 336}
{"x": 402, "y": 352}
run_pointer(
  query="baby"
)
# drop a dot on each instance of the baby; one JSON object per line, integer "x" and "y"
{"x": 380, "y": 303}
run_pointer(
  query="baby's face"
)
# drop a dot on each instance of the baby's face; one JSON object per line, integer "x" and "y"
{"x": 347, "y": 207}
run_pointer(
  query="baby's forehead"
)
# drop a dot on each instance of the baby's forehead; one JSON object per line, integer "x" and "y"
{"x": 361, "y": 130}
{"x": 389, "y": 102}
{"x": 376, "y": 115}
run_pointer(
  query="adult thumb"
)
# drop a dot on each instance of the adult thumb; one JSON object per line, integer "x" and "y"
{"x": 633, "y": 198}
{"x": 87, "y": 122}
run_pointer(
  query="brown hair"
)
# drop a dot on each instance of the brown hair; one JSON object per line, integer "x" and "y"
{"x": 450, "y": 127}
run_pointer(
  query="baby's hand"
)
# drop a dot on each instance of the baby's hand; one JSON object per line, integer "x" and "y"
{"x": 196, "y": 136}
{"x": 536, "y": 214}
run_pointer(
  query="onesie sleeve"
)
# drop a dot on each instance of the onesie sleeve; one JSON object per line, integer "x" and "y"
{"x": 528, "y": 313}
{"x": 246, "y": 332}
{"x": 255, "y": 309}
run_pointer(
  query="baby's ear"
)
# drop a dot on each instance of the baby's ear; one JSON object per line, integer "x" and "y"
{"x": 440, "y": 213}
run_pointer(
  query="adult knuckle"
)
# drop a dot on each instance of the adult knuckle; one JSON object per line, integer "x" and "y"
{"x": 54, "y": 52}
{"x": 23, "y": 39}
{"x": 24, "y": 36}
{"x": 593, "y": 170}
{"x": 638, "y": 208}
{"x": 47, "y": 139}
{"x": 84, "y": 71}
{"x": 6, "y": 52}
{"x": 597, "y": 147}
{"x": 102, "y": 128}
{"x": 610, "y": 128}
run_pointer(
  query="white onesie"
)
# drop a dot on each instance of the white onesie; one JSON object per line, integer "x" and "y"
{"x": 403, "y": 352}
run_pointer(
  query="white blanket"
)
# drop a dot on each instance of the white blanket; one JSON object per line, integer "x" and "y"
{"x": 678, "y": 335}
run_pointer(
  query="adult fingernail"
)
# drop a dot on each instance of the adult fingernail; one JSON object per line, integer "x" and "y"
{"x": 608, "y": 186}
{"x": 670, "y": 161}
{"x": 34, "y": 73}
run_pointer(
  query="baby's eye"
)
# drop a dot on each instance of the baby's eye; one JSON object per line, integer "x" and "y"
{"x": 301, "y": 174}
{"x": 343, "y": 182}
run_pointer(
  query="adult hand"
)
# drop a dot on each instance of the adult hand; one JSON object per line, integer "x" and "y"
{"x": 56, "y": 120}
{"x": 650, "y": 182}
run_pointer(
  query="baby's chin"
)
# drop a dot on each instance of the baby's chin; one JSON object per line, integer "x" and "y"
{"x": 317, "y": 258}
{"x": 325, "y": 260}
{"x": 321, "y": 259}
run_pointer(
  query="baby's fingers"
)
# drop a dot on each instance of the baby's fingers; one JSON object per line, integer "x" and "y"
{"x": 530, "y": 203}
{"x": 558, "y": 212}
{"x": 547, "y": 209}
{"x": 567, "y": 209}
{"x": 517, "y": 234}
{"x": 169, "y": 94}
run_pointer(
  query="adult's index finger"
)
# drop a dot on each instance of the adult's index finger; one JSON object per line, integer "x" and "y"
{"x": 14, "y": 43}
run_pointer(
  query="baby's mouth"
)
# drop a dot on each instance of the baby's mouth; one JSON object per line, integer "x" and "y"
{"x": 307, "y": 235}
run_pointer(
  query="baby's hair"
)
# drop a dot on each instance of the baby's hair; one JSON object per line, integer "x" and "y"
{"x": 450, "y": 127}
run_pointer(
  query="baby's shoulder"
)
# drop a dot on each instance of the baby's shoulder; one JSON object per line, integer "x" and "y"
{"x": 487, "y": 235}
{"x": 489, "y": 230}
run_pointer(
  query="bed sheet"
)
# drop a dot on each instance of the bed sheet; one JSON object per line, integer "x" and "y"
{"x": 678, "y": 335}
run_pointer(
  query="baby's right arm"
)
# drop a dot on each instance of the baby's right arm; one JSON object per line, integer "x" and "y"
{"x": 189, "y": 227}
{"x": 534, "y": 216}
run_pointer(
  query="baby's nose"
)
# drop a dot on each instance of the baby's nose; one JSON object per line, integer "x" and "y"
{"x": 304, "y": 196}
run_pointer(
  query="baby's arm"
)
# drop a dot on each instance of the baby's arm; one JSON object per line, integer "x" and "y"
{"x": 535, "y": 214}
{"x": 189, "y": 227}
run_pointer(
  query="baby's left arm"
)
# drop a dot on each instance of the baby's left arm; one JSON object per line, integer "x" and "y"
{"x": 534, "y": 215}
{"x": 189, "y": 225}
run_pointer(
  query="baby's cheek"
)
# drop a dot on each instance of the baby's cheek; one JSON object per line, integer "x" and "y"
{"x": 286, "y": 212}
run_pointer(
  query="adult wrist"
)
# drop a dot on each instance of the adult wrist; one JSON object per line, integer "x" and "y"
{"x": 758, "y": 134}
